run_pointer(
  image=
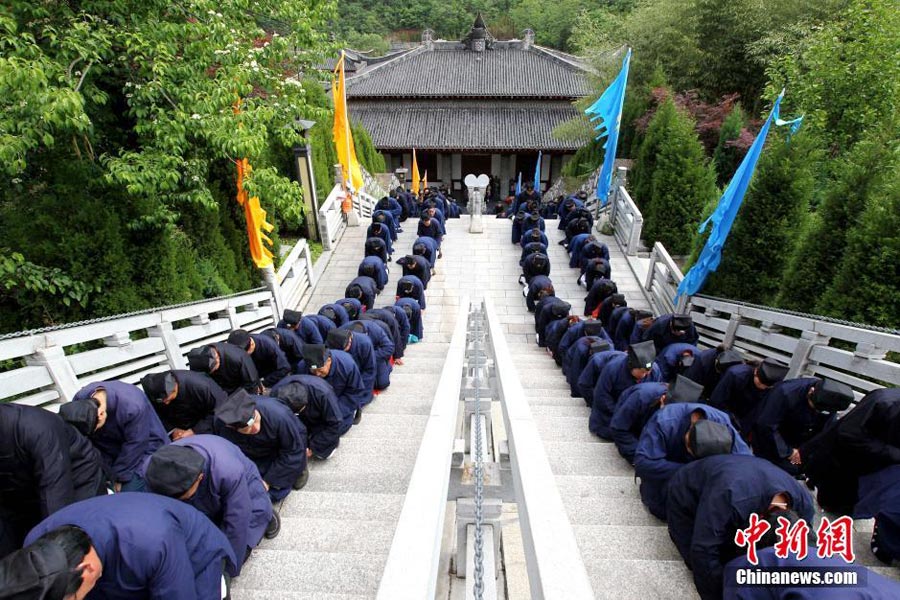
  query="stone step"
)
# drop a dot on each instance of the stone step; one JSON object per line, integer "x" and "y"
{"x": 385, "y": 477}
{"x": 244, "y": 594}
{"x": 398, "y": 402}
{"x": 597, "y": 486}
{"x": 334, "y": 536}
{"x": 634, "y": 542}
{"x": 273, "y": 571}
{"x": 617, "y": 579}
{"x": 565, "y": 429}
{"x": 348, "y": 506}
{"x": 386, "y": 427}
{"x": 622, "y": 509}
{"x": 561, "y": 407}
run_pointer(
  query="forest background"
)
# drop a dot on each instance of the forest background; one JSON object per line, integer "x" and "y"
{"x": 118, "y": 135}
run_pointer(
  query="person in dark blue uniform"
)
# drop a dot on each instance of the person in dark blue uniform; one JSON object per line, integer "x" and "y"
{"x": 555, "y": 332}
{"x": 863, "y": 441}
{"x": 524, "y": 197}
{"x": 430, "y": 227}
{"x": 304, "y": 328}
{"x": 640, "y": 402}
{"x": 270, "y": 362}
{"x": 613, "y": 322}
{"x": 437, "y": 215}
{"x": 414, "y": 314}
{"x": 390, "y": 204}
{"x": 539, "y": 287}
{"x": 601, "y": 354}
{"x": 518, "y": 221}
{"x": 336, "y": 313}
{"x": 212, "y": 474}
{"x": 416, "y": 265}
{"x": 534, "y": 265}
{"x": 578, "y": 329}
{"x": 426, "y": 247}
{"x": 41, "y": 571}
{"x": 577, "y": 358}
{"x": 359, "y": 346}
{"x": 595, "y": 269}
{"x": 534, "y": 235}
{"x": 229, "y": 366}
{"x": 792, "y": 413}
{"x": 743, "y": 390}
{"x": 410, "y": 286}
{"x": 876, "y": 587}
{"x": 608, "y": 305}
{"x": 374, "y": 267}
{"x": 387, "y": 219}
{"x": 710, "y": 499}
{"x": 675, "y": 435}
{"x": 574, "y": 249}
{"x": 118, "y": 420}
{"x": 879, "y": 499}
{"x": 340, "y": 371}
{"x": 675, "y": 359}
{"x": 353, "y": 307}
{"x": 601, "y": 289}
{"x": 375, "y": 246}
{"x": 620, "y": 373}
{"x": 140, "y": 546}
{"x": 268, "y": 434}
{"x": 531, "y": 248}
{"x": 383, "y": 347}
{"x": 380, "y": 230}
{"x": 313, "y": 400}
{"x": 671, "y": 329}
{"x": 184, "y": 401}
{"x": 363, "y": 289}
{"x": 45, "y": 464}
{"x": 398, "y": 316}
{"x": 288, "y": 341}
{"x": 532, "y": 220}
{"x": 391, "y": 327}
{"x": 546, "y": 311}
{"x": 322, "y": 324}
{"x": 710, "y": 365}
{"x": 631, "y": 328}
{"x": 575, "y": 227}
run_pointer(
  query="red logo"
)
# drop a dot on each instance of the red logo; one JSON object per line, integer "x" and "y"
{"x": 833, "y": 538}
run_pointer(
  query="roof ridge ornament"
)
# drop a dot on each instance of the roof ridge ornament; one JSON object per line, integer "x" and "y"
{"x": 428, "y": 39}
{"x": 479, "y": 38}
{"x": 528, "y": 38}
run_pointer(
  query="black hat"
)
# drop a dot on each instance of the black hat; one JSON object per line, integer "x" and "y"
{"x": 405, "y": 287}
{"x": 681, "y": 322}
{"x": 329, "y": 313}
{"x": 592, "y": 327}
{"x": 202, "y": 359}
{"x": 350, "y": 307}
{"x": 707, "y": 438}
{"x": 355, "y": 291}
{"x": 686, "y": 358}
{"x": 158, "y": 386}
{"x": 640, "y": 315}
{"x": 535, "y": 233}
{"x": 424, "y": 216}
{"x": 641, "y": 355}
{"x": 560, "y": 310}
{"x": 337, "y": 339}
{"x": 419, "y": 249}
{"x": 405, "y": 261}
{"x": 683, "y": 390}
{"x": 832, "y": 396}
{"x": 727, "y": 359}
{"x": 292, "y": 317}
{"x": 315, "y": 355}
{"x": 368, "y": 269}
{"x": 617, "y": 299}
{"x": 599, "y": 346}
{"x": 770, "y": 371}
{"x": 37, "y": 572}
{"x": 239, "y": 338}
{"x": 237, "y": 410}
{"x": 294, "y": 395}
{"x": 80, "y": 414}
{"x": 173, "y": 469}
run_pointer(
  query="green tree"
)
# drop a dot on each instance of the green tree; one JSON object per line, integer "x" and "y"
{"x": 726, "y": 157}
{"x": 765, "y": 230}
{"x": 865, "y": 286}
{"x": 858, "y": 177}
{"x": 681, "y": 185}
{"x": 648, "y": 151}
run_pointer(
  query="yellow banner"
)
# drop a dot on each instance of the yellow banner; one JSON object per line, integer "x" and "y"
{"x": 343, "y": 136}
{"x": 415, "y": 174}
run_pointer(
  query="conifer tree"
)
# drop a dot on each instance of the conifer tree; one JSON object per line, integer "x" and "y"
{"x": 726, "y": 157}
{"x": 645, "y": 163}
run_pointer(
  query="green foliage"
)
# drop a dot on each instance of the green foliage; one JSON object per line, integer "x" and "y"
{"x": 35, "y": 289}
{"x": 864, "y": 288}
{"x": 586, "y": 159}
{"x": 645, "y": 163}
{"x": 858, "y": 179}
{"x": 764, "y": 233}
{"x": 373, "y": 43}
{"x": 681, "y": 184}
{"x": 368, "y": 156}
{"x": 727, "y": 158}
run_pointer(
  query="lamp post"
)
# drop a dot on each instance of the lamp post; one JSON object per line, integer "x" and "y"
{"x": 303, "y": 160}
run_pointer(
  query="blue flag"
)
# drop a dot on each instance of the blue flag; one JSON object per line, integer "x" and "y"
{"x": 537, "y": 173}
{"x": 726, "y": 211}
{"x": 519, "y": 185}
{"x": 608, "y": 110}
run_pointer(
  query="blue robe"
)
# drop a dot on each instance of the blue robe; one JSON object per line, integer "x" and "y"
{"x": 369, "y": 290}
{"x": 132, "y": 431}
{"x": 270, "y": 362}
{"x": 635, "y": 407}
{"x": 388, "y": 221}
{"x": 383, "y": 347}
{"x": 434, "y": 230}
{"x": 575, "y": 331}
{"x": 151, "y": 547}
{"x": 392, "y": 206}
{"x": 704, "y": 372}
{"x": 624, "y": 328}
{"x": 308, "y": 330}
{"x": 415, "y": 319}
{"x": 575, "y": 361}
{"x": 375, "y": 246}
{"x": 431, "y": 248}
{"x": 231, "y": 494}
{"x": 613, "y": 323}
{"x": 537, "y": 283}
{"x": 385, "y": 235}
{"x": 590, "y": 374}
{"x": 420, "y": 269}
{"x": 786, "y": 421}
{"x": 347, "y": 384}
{"x": 278, "y": 450}
{"x": 377, "y": 268}
{"x": 736, "y": 393}
{"x": 661, "y": 449}
{"x": 553, "y": 335}
{"x": 529, "y": 249}
{"x": 322, "y": 416}
{"x": 877, "y": 587}
{"x": 879, "y": 499}
{"x": 575, "y": 245}
{"x": 403, "y": 328}
{"x": 614, "y": 379}
{"x": 662, "y": 335}
{"x": 710, "y": 499}
{"x": 534, "y": 235}
{"x": 597, "y": 293}
{"x": 342, "y": 317}
{"x": 363, "y": 353}
{"x": 289, "y": 342}
{"x": 418, "y": 292}
{"x": 667, "y": 360}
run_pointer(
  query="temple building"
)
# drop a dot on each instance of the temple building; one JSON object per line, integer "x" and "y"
{"x": 478, "y": 105}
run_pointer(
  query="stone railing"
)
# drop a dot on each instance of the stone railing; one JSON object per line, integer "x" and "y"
{"x": 626, "y": 220}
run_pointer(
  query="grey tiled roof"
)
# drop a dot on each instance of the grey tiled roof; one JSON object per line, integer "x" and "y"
{"x": 465, "y": 125}
{"x": 509, "y": 70}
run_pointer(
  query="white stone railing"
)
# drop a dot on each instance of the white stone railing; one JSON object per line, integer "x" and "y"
{"x": 626, "y": 220}
{"x": 296, "y": 277}
{"x": 331, "y": 219}
{"x": 661, "y": 284}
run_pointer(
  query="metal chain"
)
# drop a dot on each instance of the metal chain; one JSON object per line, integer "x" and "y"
{"x": 145, "y": 311}
{"x": 479, "y": 469}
